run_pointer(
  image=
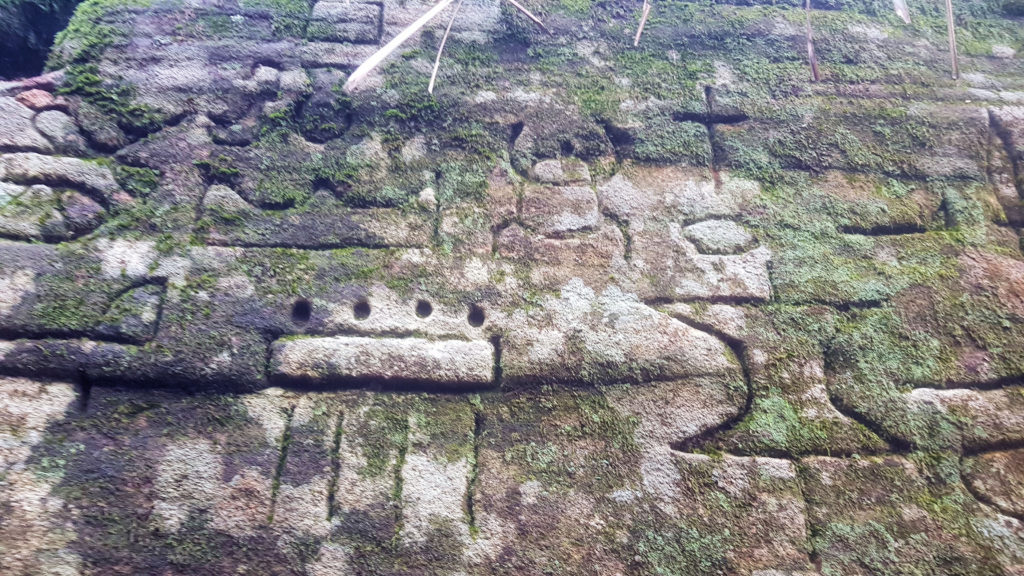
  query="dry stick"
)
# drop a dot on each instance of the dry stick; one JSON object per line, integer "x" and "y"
{"x": 643, "y": 20}
{"x": 901, "y": 10}
{"x": 379, "y": 56}
{"x": 529, "y": 15}
{"x": 440, "y": 49}
{"x": 810, "y": 43}
{"x": 952, "y": 38}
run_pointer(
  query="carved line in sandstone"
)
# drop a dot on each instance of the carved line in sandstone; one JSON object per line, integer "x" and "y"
{"x": 100, "y": 334}
{"x": 335, "y": 465}
{"x": 977, "y": 493}
{"x": 1002, "y": 133}
{"x": 738, "y": 347}
{"x": 282, "y": 461}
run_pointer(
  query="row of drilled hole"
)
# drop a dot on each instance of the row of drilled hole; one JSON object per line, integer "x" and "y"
{"x": 303, "y": 309}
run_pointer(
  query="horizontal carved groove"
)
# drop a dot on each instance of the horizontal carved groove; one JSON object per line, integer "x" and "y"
{"x": 897, "y": 229}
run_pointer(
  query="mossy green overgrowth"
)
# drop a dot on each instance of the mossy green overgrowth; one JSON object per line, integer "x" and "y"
{"x": 442, "y": 426}
{"x": 112, "y": 97}
{"x": 195, "y": 301}
{"x": 147, "y": 217}
{"x": 476, "y": 141}
{"x": 680, "y": 550}
{"x": 412, "y": 107}
{"x": 877, "y": 358}
{"x": 896, "y": 354}
{"x": 964, "y": 213}
{"x": 574, "y": 7}
{"x": 874, "y": 545}
{"x": 68, "y": 303}
{"x": 673, "y": 79}
{"x": 462, "y": 182}
{"x": 115, "y": 536}
{"x": 94, "y": 28}
{"x": 285, "y": 170}
{"x": 830, "y": 238}
{"x": 564, "y": 439}
{"x": 878, "y": 138}
{"x": 291, "y": 17}
{"x": 127, "y": 309}
{"x": 139, "y": 182}
{"x": 868, "y": 520}
{"x": 279, "y": 271}
{"x": 369, "y": 169}
{"x": 326, "y": 121}
{"x": 976, "y": 34}
{"x": 776, "y": 426}
{"x": 384, "y": 436}
{"x": 220, "y": 169}
{"x": 471, "y": 66}
{"x": 841, "y": 270}
{"x": 799, "y": 330}
{"x": 663, "y": 140}
{"x": 665, "y": 76}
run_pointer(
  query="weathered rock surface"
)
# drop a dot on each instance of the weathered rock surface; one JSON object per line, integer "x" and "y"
{"x": 589, "y": 308}
{"x": 995, "y": 477}
{"x": 404, "y": 360}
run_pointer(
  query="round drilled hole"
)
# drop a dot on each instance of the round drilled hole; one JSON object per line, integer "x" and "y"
{"x": 301, "y": 311}
{"x": 476, "y": 316}
{"x": 424, "y": 309}
{"x": 361, "y": 310}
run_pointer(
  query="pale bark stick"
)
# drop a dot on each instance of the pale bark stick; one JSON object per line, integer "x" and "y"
{"x": 901, "y": 10}
{"x": 810, "y": 43}
{"x": 951, "y": 29}
{"x": 529, "y": 15}
{"x": 379, "y": 56}
{"x": 643, "y": 20}
{"x": 440, "y": 49}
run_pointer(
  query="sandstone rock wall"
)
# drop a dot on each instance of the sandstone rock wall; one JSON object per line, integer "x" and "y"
{"x": 589, "y": 309}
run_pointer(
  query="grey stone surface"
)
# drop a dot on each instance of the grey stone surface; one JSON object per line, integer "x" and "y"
{"x": 16, "y": 130}
{"x": 719, "y": 237}
{"x": 450, "y": 363}
{"x": 89, "y": 177}
{"x": 61, "y": 130}
{"x": 559, "y": 210}
{"x": 588, "y": 308}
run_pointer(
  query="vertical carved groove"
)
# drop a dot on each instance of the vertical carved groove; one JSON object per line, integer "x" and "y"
{"x": 399, "y": 483}
{"x": 282, "y": 458}
{"x": 332, "y": 487}
{"x": 474, "y": 471}
{"x": 1006, "y": 143}
{"x": 84, "y": 388}
{"x": 497, "y": 342}
{"x": 710, "y": 126}
{"x": 813, "y": 554}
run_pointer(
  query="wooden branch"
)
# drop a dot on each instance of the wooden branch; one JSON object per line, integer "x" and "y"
{"x": 810, "y": 44}
{"x": 529, "y": 15}
{"x": 373, "y": 61}
{"x": 951, "y": 29}
{"x": 901, "y": 10}
{"x": 643, "y": 20}
{"x": 440, "y": 49}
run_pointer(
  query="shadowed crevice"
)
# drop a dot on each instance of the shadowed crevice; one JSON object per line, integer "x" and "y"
{"x": 981, "y": 497}
{"x": 282, "y": 459}
{"x": 332, "y": 486}
{"x": 474, "y": 472}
